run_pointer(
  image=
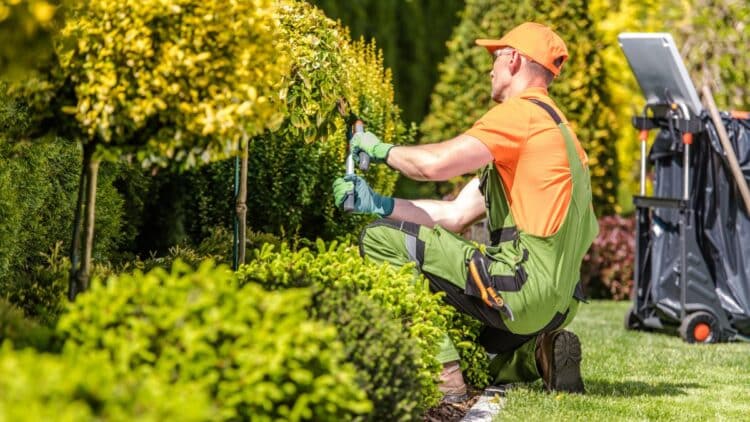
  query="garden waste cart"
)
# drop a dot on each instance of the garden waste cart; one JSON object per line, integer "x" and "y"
{"x": 692, "y": 263}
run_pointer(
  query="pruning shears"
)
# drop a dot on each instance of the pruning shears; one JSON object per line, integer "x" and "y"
{"x": 354, "y": 125}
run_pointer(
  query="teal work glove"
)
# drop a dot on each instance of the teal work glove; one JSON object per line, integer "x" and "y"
{"x": 371, "y": 145}
{"x": 366, "y": 201}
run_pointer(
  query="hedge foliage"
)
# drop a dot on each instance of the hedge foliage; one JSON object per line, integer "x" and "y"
{"x": 462, "y": 94}
{"x": 258, "y": 354}
{"x": 376, "y": 343}
{"x": 339, "y": 266}
{"x": 291, "y": 169}
{"x": 77, "y": 387}
{"x": 407, "y": 297}
{"x": 38, "y": 184}
{"x": 179, "y": 80}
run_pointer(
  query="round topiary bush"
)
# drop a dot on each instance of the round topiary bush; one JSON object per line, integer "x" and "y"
{"x": 291, "y": 167}
{"x": 258, "y": 354}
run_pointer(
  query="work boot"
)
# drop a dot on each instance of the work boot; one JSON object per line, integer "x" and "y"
{"x": 452, "y": 383}
{"x": 558, "y": 358}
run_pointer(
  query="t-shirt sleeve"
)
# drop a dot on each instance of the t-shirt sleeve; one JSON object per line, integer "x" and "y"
{"x": 503, "y": 129}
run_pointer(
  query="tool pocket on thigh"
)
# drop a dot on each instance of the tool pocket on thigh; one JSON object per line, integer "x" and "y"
{"x": 488, "y": 287}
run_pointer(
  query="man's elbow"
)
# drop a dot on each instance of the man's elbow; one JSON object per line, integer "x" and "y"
{"x": 433, "y": 172}
{"x": 455, "y": 222}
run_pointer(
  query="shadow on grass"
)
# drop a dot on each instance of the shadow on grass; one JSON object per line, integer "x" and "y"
{"x": 596, "y": 387}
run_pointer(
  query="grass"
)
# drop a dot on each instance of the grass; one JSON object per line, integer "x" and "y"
{"x": 633, "y": 375}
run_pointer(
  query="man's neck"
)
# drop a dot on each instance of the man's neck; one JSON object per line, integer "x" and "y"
{"x": 518, "y": 86}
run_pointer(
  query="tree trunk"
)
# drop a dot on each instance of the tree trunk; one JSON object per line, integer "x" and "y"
{"x": 242, "y": 205}
{"x": 75, "y": 244}
{"x": 91, "y": 176}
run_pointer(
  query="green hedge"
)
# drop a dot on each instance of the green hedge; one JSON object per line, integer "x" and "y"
{"x": 257, "y": 353}
{"x": 292, "y": 168}
{"x": 404, "y": 296}
{"x": 84, "y": 387}
{"x": 386, "y": 357}
{"x": 184, "y": 207}
{"x": 38, "y": 188}
{"x": 423, "y": 315}
{"x": 462, "y": 94}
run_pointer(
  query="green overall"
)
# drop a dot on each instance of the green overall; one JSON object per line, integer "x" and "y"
{"x": 531, "y": 282}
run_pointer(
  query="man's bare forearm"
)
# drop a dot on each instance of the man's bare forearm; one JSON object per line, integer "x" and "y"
{"x": 454, "y": 215}
{"x": 441, "y": 161}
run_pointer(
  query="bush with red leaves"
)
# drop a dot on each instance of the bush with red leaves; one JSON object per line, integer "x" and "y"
{"x": 607, "y": 270}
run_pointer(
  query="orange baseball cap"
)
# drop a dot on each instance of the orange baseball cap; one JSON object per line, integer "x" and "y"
{"x": 534, "y": 40}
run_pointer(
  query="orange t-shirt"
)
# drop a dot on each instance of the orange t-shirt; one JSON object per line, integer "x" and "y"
{"x": 529, "y": 153}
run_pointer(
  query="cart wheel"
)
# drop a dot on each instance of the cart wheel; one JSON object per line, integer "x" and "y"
{"x": 632, "y": 322}
{"x": 699, "y": 327}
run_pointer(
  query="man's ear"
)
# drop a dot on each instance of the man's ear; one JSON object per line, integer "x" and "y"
{"x": 515, "y": 62}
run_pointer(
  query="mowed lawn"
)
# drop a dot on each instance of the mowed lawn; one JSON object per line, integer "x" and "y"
{"x": 633, "y": 375}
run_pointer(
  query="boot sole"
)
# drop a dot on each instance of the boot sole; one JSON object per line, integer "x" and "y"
{"x": 566, "y": 369}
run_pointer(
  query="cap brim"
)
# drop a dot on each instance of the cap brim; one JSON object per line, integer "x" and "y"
{"x": 490, "y": 45}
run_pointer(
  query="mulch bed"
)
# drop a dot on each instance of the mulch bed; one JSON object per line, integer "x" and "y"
{"x": 452, "y": 412}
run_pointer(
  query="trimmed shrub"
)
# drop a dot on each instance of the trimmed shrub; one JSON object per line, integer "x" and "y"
{"x": 406, "y": 297}
{"x": 171, "y": 81}
{"x": 386, "y": 357}
{"x": 38, "y": 184}
{"x": 462, "y": 94}
{"x": 183, "y": 207}
{"x": 475, "y": 364}
{"x": 608, "y": 267}
{"x": 86, "y": 387}
{"x": 293, "y": 167}
{"x": 257, "y": 353}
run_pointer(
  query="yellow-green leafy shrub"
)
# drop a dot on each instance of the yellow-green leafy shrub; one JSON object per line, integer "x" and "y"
{"x": 86, "y": 387}
{"x": 258, "y": 354}
{"x": 179, "y": 79}
{"x": 403, "y": 295}
{"x": 292, "y": 168}
{"x": 376, "y": 343}
{"x": 462, "y": 94}
{"x": 406, "y": 297}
